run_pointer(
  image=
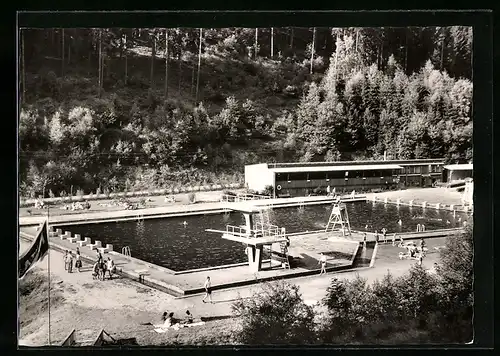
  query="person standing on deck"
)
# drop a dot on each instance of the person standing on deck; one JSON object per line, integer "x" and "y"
{"x": 364, "y": 239}
{"x": 384, "y": 233}
{"x": 394, "y": 240}
{"x": 65, "y": 260}
{"x": 322, "y": 260}
{"x": 208, "y": 290}
{"x": 78, "y": 262}
{"x": 70, "y": 262}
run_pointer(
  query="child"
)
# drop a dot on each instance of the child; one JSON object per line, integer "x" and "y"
{"x": 394, "y": 240}
{"x": 208, "y": 290}
{"x": 65, "y": 260}
{"x": 78, "y": 262}
{"x": 323, "y": 264}
{"x": 384, "y": 233}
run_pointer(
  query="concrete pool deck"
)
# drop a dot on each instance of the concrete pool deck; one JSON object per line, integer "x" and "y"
{"x": 304, "y": 248}
{"x": 191, "y": 282}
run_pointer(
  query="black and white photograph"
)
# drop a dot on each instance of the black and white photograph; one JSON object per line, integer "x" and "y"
{"x": 208, "y": 186}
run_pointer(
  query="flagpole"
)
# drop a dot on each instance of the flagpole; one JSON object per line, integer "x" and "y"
{"x": 48, "y": 262}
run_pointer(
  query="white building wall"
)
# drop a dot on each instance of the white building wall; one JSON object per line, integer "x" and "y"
{"x": 468, "y": 197}
{"x": 257, "y": 176}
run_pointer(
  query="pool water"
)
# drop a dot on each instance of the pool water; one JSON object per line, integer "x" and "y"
{"x": 170, "y": 243}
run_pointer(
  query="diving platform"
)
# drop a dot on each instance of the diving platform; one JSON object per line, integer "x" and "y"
{"x": 254, "y": 241}
{"x": 257, "y": 233}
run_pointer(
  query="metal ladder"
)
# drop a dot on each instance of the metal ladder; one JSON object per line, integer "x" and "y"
{"x": 284, "y": 251}
{"x": 126, "y": 251}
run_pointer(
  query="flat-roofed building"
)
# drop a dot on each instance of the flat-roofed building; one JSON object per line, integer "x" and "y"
{"x": 304, "y": 178}
{"x": 457, "y": 172}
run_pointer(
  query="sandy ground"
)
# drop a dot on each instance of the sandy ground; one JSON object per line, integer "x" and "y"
{"x": 120, "y": 305}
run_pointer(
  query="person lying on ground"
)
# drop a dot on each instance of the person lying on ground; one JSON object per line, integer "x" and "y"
{"x": 161, "y": 321}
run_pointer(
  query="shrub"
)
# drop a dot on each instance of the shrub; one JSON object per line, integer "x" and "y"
{"x": 268, "y": 190}
{"x": 51, "y": 193}
{"x": 275, "y": 315}
{"x": 80, "y": 193}
{"x": 191, "y": 198}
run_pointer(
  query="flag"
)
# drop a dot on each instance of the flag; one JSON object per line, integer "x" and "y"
{"x": 36, "y": 252}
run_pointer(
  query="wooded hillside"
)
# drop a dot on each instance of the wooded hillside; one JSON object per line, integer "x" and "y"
{"x": 122, "y": 109}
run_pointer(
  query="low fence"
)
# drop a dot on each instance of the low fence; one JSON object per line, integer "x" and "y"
{"x": 425, "y": 205}
{"x": 227, "y": 198}
{"x": 143, "y": 193}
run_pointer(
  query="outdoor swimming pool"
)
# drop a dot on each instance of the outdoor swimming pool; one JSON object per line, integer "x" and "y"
{"x": 169, "y": 243}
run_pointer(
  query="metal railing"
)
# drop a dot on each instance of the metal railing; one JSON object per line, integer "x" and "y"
{"x": 236, "y": 230}
{"x": 227, "y": 198}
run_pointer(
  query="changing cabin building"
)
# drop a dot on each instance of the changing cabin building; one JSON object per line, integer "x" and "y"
{"x": 305, "y": 178}
{"x": 453, "y": 173}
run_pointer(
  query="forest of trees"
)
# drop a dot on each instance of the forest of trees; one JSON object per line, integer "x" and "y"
{"x": 123, "y": 109}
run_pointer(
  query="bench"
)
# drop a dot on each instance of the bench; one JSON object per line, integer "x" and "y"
{"x": 75, "y": 239}
{"x": 141, "y": 273}
{"x": 67, "y": 235}
{"x": 84, "y": 242}
{"x": 95, "y": 246}
{"x": 108, "y": 248}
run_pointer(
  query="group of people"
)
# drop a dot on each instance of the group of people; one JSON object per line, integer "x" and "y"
{"x": 101, "y": 267}
{"x": 414, "y": 251}
{"x": 69, "y": 258}
{"x": 76, "y": 206}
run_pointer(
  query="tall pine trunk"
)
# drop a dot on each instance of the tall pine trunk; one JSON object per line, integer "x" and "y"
{"x": 192, "y": 79}
{"x": 166, "y": 65}
{"x": 100, "y": 65}
{"x": 62, "y": 53}
{"x": 442, "y": 48}
{"x": 312, "y": 48}
{"x": 256, "y": 42}
{"x": 406, "y": 51}
{"x": 272, "y": 42}
{"x": 153, "y": 55}
{"x": 126, "y": 58}
{"x": 199, "y": 65}
{"x": 23, "y": 69}
{"x": 291, "y": 39}
{"x": 179, "y": 56}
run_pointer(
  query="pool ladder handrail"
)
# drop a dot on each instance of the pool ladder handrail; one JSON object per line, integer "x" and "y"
{"x": 126, "y": 251}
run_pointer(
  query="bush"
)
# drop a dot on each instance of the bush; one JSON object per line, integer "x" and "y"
{"x": 268, "y": 190}
{"x": 275, "y": 315}
{"x": 191, "y": 198}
